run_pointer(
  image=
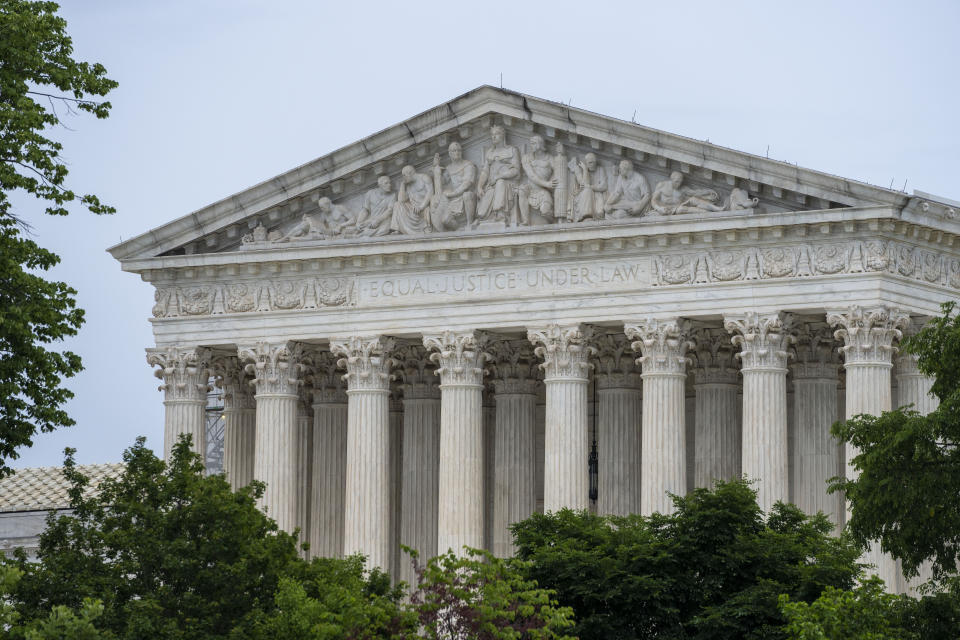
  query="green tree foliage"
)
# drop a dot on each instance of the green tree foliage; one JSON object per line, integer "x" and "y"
{"x": 712, "y": 569}
{"x": 482, "y": 597}
{"x": 907, "y": 493}
{"x": 869, "y": 613}
{"x": 39, "y": 81}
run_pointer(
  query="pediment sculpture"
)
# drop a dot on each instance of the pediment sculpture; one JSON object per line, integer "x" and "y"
{"x": 509, "y": 187}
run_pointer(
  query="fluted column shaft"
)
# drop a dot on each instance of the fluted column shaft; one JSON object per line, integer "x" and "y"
{"x": 763, "y": 341}
{"x": 565, "y": 357}
{"x": 367, "y": 517}
{"x": 460, "y": 359}
{"x": 396, "y": 478}
{"x": 515, "y": 482}
{"x": 868, "y": 336}
{"x": 304, "y": 477}
{"x": 717, "y": 440}
{"x": 489, "y": 464}
{"x": 185, "y": 372}
{"x": 619, "y": 416}
{"x": 276, "y": 370}
{"x": 818, "y": 453}
{"x": 663, "y": 451}
{"x": 329, "y": 472}
{"x": 239, "y": 420}
{"x": 421, "y": 473}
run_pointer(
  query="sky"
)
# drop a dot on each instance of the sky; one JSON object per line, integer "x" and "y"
{"x": 215, "y": 97}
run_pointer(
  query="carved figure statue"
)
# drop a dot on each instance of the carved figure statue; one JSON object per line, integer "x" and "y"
{"x": 330, "y": 221}
{"x": 591, "y": 188}
{"x": 454, "y": 201}
{"x": 376, "y": 214}
{"x": 739, "y": 199}
{"x": 671, "y": 197}
{"x": 496, "y": 187}
{"x": 534, "y": 193}
{"x": 412, "y": 209}
{"x": 630, "y": 195}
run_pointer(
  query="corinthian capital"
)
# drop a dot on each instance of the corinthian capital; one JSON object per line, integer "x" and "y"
{"x": 713, "y": 358}
{"x": 325, "y": 379}
{"x": 514, "y": 367}
{"x": 868, "y": 334}
{"x": 417, "y": 371}
{"x": 565, "y": 350}
{"x": 367, "y": 361}
{"x": 615, "y": 364}
{"x": 662, "y": 344}
{"x": 459, "y": 356}
{"x": 276, "y": 367}
{"x": 183, "y": 370}
{"x": 236, "y": 384}
{"x": 816, "y": 354}
{"x": 763, "y": 339}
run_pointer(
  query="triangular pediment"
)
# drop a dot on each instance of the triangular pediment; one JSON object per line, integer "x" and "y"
{"x": 338, "y": 198}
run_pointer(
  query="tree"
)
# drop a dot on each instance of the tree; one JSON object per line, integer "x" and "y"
{"x": 37, "y": 73}
{"x": 715, "y": 568}
{"x": 907, "y": 491}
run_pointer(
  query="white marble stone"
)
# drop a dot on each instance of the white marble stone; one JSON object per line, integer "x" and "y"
{"x": 717, "y": 419}
{"x": 276, "y": 369}
{"x": 618, "y": 423}
{"x": 420, "y": 467}
{"x": 239, "y": 420}
{"x": 367, "y": 521}
{"x": 184, "y": 372}
{"x": 329, "y": 458}
{"x": 565, "y": 353}
{"x": 304, "y": 476}
{"x": 663, "y": 345}
{"x": 460, "y": 359}
{"x": 868, "y": 336}
{"x": 515, "y": 485}
{"x": 763, "y": 342}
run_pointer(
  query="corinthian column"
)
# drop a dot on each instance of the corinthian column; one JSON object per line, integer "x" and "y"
{"x": 329, "y": 457}
{"x": 515, "y": 481}
{"x": 461, "y": 476}
{"x": 565, "y": 354}
{"x": 663, "y": 466}
{"x": 239, "y": 420}
{"x": 420, "y": 482}
{"x": 184, "y": 372}
{"x": 763, "y": 342}
{"x": 367, "y": 520}
{"x": 618, "y": 426}
{"x": 815, "y": 380}
{"x": 717, "y": 453}
{"x": 868, "y": 336}
{"x": 276, "y": 372}
{"x": 304, "y": 463}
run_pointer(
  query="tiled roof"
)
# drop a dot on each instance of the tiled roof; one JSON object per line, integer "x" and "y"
{"x": 42, "y": 488}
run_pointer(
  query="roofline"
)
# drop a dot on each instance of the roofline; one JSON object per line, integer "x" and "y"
{"x": 464, "y": 108}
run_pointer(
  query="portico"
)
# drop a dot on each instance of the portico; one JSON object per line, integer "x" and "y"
{"x": 757, "y": 303}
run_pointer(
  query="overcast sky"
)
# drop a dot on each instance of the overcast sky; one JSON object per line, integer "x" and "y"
{"x": 215, "y": 97}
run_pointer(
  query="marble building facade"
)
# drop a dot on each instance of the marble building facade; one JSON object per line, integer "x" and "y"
{"x": 421, "y": 337}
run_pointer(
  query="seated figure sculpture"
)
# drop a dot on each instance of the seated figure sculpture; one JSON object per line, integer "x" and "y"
{"x": 630, "y": 195}
{"x": 591, "y": 189}
{"x": 740, "y": 199}
{"x": 671, "y": 197}
{"x": 330, "y": 221}
{"x": 376, "y": 214}
{"x": 454, "y": 201}
{"x": 496, "y": 187}
{"x": 411, "y": 211}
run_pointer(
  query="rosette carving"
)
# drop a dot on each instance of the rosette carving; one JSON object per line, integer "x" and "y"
{"x": 185, "y": 372}
{"x": 367, "y": 360}
{"x": 763, "y": 339}
{"x": 565, "y": 350}
{"x": 460, "y": 356}
{"x": 276, "y": 367}
{"x": 663, "y": 345}
{"x": 868, "y": 334}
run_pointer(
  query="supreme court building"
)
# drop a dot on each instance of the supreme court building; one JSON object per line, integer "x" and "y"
{"x": 505, "y": 305}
